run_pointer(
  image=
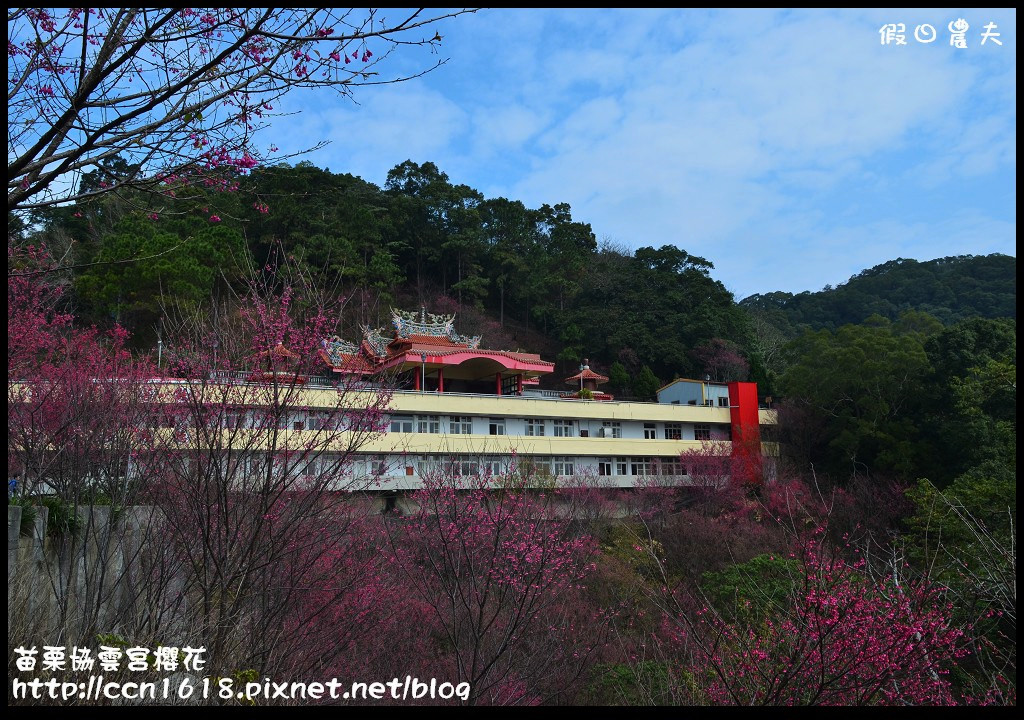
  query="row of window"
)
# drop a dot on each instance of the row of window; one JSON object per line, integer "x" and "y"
{"x": 723, "y": 401}
{"x": 558, "y": 466}
{"x": 537, "y": 427}
{"x": 433, "y": 424}
{"x": 460, "y": 466}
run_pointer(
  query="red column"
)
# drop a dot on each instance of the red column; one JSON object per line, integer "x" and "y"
{"x": 520, "y": 383}
{"x": 416, "y": 376}
{"x": 440, "y": 379}
{"x": 497, "y": 383}
{"x": 746, "y": 431}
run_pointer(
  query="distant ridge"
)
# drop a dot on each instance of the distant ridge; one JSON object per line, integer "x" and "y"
{"x": 950, "y": 289}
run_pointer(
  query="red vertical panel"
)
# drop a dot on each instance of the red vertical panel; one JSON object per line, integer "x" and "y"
{"x": 746, "y": 432}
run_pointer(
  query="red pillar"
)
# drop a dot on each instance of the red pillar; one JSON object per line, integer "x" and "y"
{"x": 520, "y": 383}
{"x": 746, "y": 431}
{"x": 497, "y": 384}
{"x": 440, "y": 379}
{"x": 416, "y": 376}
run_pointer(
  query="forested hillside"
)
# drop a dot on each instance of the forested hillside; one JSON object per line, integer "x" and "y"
{"x": 896, "y": 398}
{"x": 949, "y": 289}
{"x": 534, "y": 278}
{"x": 421, "y": 240}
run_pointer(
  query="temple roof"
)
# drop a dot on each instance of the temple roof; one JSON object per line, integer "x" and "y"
{"x": 424, "y": 337}
{"x": 345, "y": 356}
{"x": 586, "y": 374}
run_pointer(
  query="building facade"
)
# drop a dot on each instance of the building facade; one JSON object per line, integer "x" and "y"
{"x": 462, "y": 410}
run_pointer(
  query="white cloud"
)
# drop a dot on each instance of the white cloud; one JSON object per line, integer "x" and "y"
{"x": 785, "y": 146}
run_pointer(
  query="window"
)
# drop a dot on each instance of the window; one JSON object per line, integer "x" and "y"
{"x": 426, "y": 466}
{"x": 299, "y": 425}
{"x": 496, "y": 426}
{"x": 320, "y": 420}
{"x": 401, "y": 423}
{"x": 701, "y": 431}
{"x": 564, "y": 428}
{"x": 465, "y": 468}
{"x": 563, "y": 466}
{"x": 461, "y": 425}
{"x": 621, "y": 466}
{"x": 428, "y": 424}
{"x": 611, "y": 429}
{"x": 640, "y": 466}
{"x": 604, "y": 466}
{"x": 534, "y": 427}
{"x": 723, "y": 401}
{"x": 650, "y": 431}
{"x": 670, "y": 467}
{"x": 673, "y": 431}
{"x": 314, "y": 468}
{"x": 377, "y": 466}
{"x": 537, "y": 465}
{"x": 492, "y": 467}
{"x": 231, "y": 420}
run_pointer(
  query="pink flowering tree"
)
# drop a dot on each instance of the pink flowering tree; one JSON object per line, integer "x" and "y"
{"x": 500, "y": 577}
{"x": 839, "y": 638}
{"x": 79, "y": 418}
{"x": 258, "y": 481}
{"x": 177, "y": 94}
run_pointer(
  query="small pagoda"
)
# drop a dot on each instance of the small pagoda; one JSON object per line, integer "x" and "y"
{"x": 587, "y": 380}
{"x": 276, "y": 364}
{"x": 424, "y": 350}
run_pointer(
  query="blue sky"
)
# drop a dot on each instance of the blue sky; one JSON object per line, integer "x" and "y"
{"x": 790, "y": 148}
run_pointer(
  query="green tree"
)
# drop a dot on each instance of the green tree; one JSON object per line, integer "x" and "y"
{"x": 174, "y": 263}
{"x": 646, "y": 384}
{"x": 862, "y": 384}
{"x": 618, "y": 378}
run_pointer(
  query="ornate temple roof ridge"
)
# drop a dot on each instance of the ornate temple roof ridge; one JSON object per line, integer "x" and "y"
{"x": 408, "y": 324}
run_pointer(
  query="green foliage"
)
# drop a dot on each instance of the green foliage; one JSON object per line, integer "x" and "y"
{"x": 970, "y": 398}
{"x": 949, "y": 289}
{"x": 63, "y": 518}
{"x": 111, "y": 639}
{"x": 175, "y": 262}
{"x": 862, "y": 385}
{"x": 631, "y": 685}
{"x": 752, "y": 591}
{"x": 627, "y": 544}
{"x": 646, "y": 384}
{"x": 618, "y": 377}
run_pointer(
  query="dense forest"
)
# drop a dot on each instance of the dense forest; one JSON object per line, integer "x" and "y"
{"x": 896, "y": 398}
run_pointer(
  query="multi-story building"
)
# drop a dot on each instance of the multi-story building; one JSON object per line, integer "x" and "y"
{"x": 464, "y": 410}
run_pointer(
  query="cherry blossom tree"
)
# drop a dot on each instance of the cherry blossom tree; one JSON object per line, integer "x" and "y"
{"x": 257, "y": 479}
{"x": 245, "y": 535}
{"x": 498, "y": 573}
{"x": 177, "y": 95}
{"x": 838, "y": 639}
{"x": 79, "y": 430}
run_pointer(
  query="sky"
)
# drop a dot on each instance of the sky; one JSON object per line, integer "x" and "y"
{"x": 792, "y": 148}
